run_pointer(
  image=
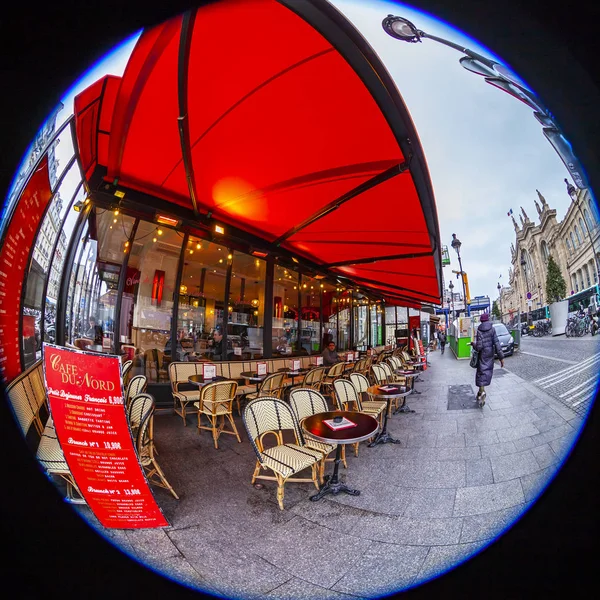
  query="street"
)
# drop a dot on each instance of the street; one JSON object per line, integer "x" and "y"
{"x": 565, "y": 368}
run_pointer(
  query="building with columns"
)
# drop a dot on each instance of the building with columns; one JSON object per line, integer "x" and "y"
{"x": 574, "y": 243}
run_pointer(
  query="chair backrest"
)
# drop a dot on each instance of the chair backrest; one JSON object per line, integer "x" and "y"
{"x": 218, "y": 391}
{"x": 179, "y": 371}
{"x": 379, "y": 374}
{"x": 271, "y": 385}
{"x": 269, "y": 415}
{"x": 359, "y": 365}
{"x": 136, "y": 386}
{"x": 346, "y": 395}
{"x": 394, "y": 362}
{"x": 27, "y": 395}
{"x": 314, "y": 377}
{"x": 388, "y": 371}
{"x": 140, "y": 408}
{"x": 336, "y": 370}
{"x": 126, "y": 369}
{"x": 360, "y": 381}
{"x": 306, "y": 401}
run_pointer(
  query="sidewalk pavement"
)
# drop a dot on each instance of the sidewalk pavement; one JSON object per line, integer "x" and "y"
{"x": 457, "y": 480}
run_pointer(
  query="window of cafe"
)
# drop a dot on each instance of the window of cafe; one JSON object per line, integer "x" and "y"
{"x": 310, "y": 294}
{"x": 94, "y": 284}
{"x": 345, "y": 299}
{"x": 148, "y": 296}
{"x": 246, "y": 306}
{"x": 390, "y": 324}
{"x": 329, "y": 302}
{"x": 285, "y": 312}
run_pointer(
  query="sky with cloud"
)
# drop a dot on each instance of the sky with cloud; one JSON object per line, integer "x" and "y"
{"x": 485, "y": 151}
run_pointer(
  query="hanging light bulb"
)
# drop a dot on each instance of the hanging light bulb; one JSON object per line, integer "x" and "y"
{"x": 153, "y": 239}
{"x": 114, "y": 220}
{"x": 126, "y": 243}
{"x": 198, "y": 246}
{"x": 159, "y": 231}
{"x": 191, "y": 251}
{"x": 229, "y": 256}
{"x": 116, "y": 212}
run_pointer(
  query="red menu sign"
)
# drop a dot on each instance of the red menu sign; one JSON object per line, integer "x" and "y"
{"x": 85, "y": 393}
{"x": 14, "y": 258}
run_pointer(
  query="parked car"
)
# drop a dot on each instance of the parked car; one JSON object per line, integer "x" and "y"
{"x": 506, "y": 339}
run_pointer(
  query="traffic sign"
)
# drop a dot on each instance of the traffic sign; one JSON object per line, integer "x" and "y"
{"x": 528, "y": 295}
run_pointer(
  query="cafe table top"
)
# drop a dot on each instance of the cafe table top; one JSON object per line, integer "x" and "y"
{"x": 399, "y": 392}
{"x": 366, "y": 427}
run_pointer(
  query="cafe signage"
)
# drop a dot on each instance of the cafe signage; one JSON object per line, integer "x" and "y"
{"x": 85, "y": 395}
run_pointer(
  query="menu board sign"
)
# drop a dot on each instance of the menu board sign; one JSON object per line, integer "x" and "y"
{"x": 319, "y": 360}
{"x": 14, "y": 257}
{"x": 85, "y": 394}
{"x": 349, "y": 356}
{"x": 237, "y": 351}
{"x": 294, "y": 365}
{"x": 209, "y": 371}
{"x": 261, "y": 368}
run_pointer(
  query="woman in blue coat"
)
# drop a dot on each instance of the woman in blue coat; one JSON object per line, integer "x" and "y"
{"x": 486, "y": 342}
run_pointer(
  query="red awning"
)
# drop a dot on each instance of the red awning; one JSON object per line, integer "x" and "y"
{"x": 295, "y": 133}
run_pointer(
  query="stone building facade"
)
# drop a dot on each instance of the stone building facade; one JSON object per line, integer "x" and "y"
{"x": 574, "y": 243}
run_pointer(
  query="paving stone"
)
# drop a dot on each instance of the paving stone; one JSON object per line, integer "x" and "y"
{"x": 562, "y": 446}
{"x": 525, "y": 443}
{"x": 514, "y": 465}
{"x": 470, "y": 453}
{"x": 308, "y": 551}
{"x": 517, "y": 431}
{"x": 297, "y": 589}
{"x": 521, "y": 416}
{"x": 153, "y": 543}
{"x": 500, "y": 449}
{"x": 421, "y": 440}
{"x": 427, "y": 532}
{"x": 229, "y": 569}
{"x": 481, "y": 438}
{"x": 488, "y": 498}
{"x": 493, "y": 422}
{"x": 534, "y": 483}
{"x": 544, "y": 455}
{"x": 499, "y": 403}
{"x": 428, "y": 474}
{"x": 548, "y": 423}
{"x": 479, "y": 472}
{"x": 453, "y": 440}
{"x": 437, "y": 503}
{"x": 490, "y": 525}
{"x": 383, "y": 569}
{"x": 441, "y": 559}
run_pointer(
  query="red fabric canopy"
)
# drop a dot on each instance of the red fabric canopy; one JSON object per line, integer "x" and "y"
{"x": 244, "y": 110}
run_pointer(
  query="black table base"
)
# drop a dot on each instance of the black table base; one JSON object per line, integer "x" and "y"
{"x": 332, "y": 485}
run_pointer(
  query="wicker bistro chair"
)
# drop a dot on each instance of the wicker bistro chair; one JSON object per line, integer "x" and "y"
{"x": 392, "y": 377}
{"x": 271, "y": 385}
{"x": 126, "y": 368}
{"x": 264, "y": 417}
{"x": 379, "y": 375}
{"x": 138, "y": 407}
{"x": 306, "y": 402}
{"x": 137, "y": 385}
{"x": 27, "y": 398}
{"x": 383, "y": 374}
{"x": 361, "y": 384}
{"x": 178, "y": 376}
{"x": 335, "y": 371}
{"x": 348, "y": 398}
{"x": 144, "y": 443}
{"x": 216, "y": 404}
{"x": 314, "y": 378}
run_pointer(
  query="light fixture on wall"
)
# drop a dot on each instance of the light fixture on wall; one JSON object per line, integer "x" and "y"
{"x": 255, "y": 302}
{"x": 183, "y": 289}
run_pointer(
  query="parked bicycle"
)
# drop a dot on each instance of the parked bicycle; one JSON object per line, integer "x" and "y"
{"x": 542, "y": 328}
{"x": 577, "y": 325}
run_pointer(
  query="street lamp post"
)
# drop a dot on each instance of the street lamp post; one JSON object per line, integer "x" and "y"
{"x": 524, "y": 267}
{"x": 499, "y": 294}
{"x": 456, "y": 244}
{"x": 451, "y": 288}
{"x": 502, "y": 77}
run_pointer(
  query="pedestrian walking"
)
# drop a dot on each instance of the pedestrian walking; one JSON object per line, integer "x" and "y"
{"x": 485, "y": 343}
{"x": 442, "y": 340}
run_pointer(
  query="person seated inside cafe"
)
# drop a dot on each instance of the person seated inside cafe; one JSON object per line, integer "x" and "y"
{"x": 217, "y": 343}
{"x": 330, "y": 356}
{"x": 94, "y": 331}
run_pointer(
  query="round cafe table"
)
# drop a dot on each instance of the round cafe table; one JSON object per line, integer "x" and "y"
{"x": 411, "y": 376}
{"x": 292, "y": 374}
{"x": 399, "y": 391}
{"x": 253, "y": 376}
{"x": 365, "y": 427}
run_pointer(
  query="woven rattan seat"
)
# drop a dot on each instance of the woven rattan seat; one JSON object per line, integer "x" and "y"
{"x": 267, "y": 418}
{"x": 306, "y": 402}
{"x": 216, "y": 401}
{"x": 179, "y": 372}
